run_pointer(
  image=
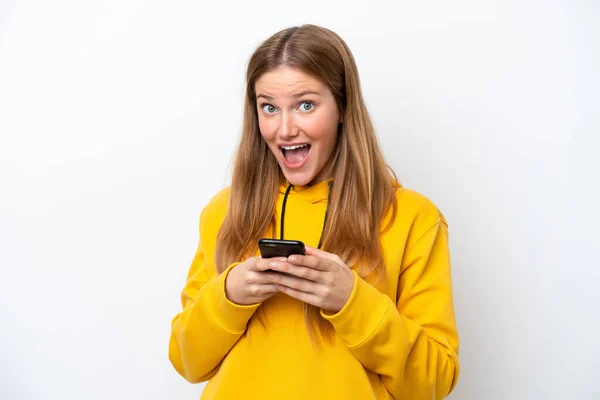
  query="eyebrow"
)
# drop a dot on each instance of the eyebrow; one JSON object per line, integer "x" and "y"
{"x": 299, "y": 94}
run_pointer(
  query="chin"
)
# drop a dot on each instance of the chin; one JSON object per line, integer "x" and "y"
{"x": 299, "y": 179}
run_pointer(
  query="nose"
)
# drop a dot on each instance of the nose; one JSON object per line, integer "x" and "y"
{"x": 287, "y": 127}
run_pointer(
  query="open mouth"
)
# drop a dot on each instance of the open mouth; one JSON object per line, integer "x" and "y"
{"x": 295, "y": 154}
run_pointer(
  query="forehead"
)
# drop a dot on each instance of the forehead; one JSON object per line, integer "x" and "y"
{"x": 284, "y": 81}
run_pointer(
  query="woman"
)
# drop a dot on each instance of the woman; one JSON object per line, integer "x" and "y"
{"x": 367, "y": 313}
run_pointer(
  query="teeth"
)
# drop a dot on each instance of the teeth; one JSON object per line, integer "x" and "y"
{"x": 294, "y": 147}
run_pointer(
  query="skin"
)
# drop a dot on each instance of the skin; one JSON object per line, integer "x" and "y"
{"x": 296, "y": 108}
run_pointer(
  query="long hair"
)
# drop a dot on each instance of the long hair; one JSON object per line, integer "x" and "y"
{"x": 363, "y": 186}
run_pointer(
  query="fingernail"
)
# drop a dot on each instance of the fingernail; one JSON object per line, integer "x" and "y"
{"x": 274, "y": 265}
{"x": 283, "y": 259}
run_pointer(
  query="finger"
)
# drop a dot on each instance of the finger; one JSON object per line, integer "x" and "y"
{"x": 263, "y": 264}
{"x": 303, "y": 272}
{"x": 300, "y": 295}
{"x": 314, "y": 262}
{"x": 311, "y": 251}
{"x": 293, "y": 282}
{"x": 261, "y": 290}
{"x": 253, "y": 278}
{"x": 253, "y": 265}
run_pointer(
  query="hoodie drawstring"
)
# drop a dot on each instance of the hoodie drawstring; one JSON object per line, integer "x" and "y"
{"x": 287, "y": 192}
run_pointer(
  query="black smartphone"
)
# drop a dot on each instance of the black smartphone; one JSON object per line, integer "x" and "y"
{"x": 270, "y": 248}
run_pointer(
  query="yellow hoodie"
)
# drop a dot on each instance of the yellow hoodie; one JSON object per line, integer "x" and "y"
{"x": 397, "y": 341}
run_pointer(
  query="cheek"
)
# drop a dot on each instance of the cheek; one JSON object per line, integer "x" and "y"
{"x": 266, "y": 129}
{"x": 322, "y": 127}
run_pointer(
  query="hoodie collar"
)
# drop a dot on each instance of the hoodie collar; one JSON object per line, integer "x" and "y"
{"x": 312, "y": 194}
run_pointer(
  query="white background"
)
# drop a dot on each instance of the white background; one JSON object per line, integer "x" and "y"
{"x": 118, "y": 120}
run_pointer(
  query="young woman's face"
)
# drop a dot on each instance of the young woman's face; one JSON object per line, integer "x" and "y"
{"x": 298, "y": 118}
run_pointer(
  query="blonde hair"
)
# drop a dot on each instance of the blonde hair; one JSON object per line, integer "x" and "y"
{"x": 363, "y": 186}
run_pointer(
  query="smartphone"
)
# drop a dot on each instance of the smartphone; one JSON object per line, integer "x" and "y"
{"x": 270, "y": 248}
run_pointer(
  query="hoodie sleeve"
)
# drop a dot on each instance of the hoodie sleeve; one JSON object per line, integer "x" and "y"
{"x": 412, "y": 343}
{"x": 209, "y": 324}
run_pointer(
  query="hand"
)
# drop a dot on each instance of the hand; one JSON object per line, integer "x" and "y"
{"x": 319, "y": 278}
{"x": 247, "y": 282}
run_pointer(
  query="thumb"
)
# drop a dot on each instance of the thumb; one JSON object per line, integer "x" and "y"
{"x": 312, "y": 251}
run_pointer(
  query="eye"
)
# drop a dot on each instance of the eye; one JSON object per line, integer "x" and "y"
{"x": 306, "y": 106}
{"x": 269, "y": 108}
